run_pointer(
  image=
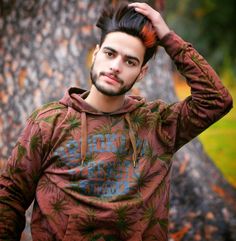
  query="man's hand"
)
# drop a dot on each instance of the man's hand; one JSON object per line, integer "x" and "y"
{"x": 154, "y": 16}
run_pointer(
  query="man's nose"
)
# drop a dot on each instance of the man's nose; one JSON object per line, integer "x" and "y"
{"x": 116, "y": 65}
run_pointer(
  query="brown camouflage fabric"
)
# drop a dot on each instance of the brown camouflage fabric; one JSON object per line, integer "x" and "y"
{"x": 106, "y": 177}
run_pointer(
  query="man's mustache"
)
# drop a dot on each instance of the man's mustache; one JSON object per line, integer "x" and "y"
{"x": 112, "y": 76}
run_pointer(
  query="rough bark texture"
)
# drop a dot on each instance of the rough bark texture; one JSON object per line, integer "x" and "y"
{"x": 45, "y": 47}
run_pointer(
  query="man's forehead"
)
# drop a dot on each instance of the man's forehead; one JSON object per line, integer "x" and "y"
{"x": 125, "y": 44}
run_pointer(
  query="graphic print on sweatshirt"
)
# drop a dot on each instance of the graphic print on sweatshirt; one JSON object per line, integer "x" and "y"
{"x": 108, "y": 170}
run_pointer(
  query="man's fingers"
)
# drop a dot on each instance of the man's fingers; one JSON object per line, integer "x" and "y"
{"x": 154, "y": 16}
{"x": 136, "y": 4}
{"x": 141, "y": 8}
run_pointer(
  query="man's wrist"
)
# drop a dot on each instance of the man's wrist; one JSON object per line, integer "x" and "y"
{"x": 162, "y": 30}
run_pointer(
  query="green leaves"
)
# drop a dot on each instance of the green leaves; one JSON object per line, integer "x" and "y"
{"x": 34, "y": 142}
{"x": 122, "y": 217}
{"x": 21, "y": 152}
{"x": 73, "y": 123}
{"x": 204, "y": 24}
{"x": 58, "y": 205}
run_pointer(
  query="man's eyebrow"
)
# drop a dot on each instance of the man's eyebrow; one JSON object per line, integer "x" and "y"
{"x": 126, "y": 55}
{"x": 109, "y": 48}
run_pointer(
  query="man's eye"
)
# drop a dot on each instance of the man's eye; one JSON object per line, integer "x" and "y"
{"x": 109, "y": 54}
{"x": 130, "y": 62}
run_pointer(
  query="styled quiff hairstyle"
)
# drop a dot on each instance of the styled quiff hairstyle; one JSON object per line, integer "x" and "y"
{"x": 123, "y": 18}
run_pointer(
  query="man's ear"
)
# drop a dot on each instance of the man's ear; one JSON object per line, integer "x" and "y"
{"x": 143, "y": 72}
{"x": 95, "y": 51}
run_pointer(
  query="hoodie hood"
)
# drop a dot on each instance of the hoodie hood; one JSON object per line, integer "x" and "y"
{"x": 75, "y": 98}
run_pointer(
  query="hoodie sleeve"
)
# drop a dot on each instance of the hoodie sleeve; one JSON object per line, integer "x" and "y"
{"x": 209, "y": 99}
{"x": 18, "y": 182}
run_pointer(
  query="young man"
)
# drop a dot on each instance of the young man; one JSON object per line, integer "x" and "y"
{"x": 98, "y": 162}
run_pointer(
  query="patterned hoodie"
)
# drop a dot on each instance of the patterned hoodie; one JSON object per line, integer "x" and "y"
{"x": 106, "y": 177}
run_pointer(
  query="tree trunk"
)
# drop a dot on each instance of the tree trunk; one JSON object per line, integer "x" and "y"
{"x": 45, "y": 47}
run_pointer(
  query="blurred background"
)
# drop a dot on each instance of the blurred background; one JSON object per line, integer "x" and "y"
{"x": 46, "y": 46}
{"x": 210, "y": 26}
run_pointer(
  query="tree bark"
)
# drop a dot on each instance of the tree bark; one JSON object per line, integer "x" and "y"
{"x": 45, "y": 47}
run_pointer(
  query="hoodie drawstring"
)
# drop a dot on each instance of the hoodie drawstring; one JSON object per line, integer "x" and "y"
{"x": 132, "y": 138}
{"x": 83, "y": 137}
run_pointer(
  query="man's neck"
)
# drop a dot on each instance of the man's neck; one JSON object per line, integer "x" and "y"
{"x": 103, "y": 102}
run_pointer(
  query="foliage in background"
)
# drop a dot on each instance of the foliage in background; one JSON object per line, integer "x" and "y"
{"x": 209, "y": 25}
{"x": 219, "y": 143}
{"x": 219, "y": 139}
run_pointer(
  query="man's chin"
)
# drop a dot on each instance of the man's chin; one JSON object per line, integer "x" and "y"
{"x": 109, "y": 92}
{"x": 106, "y": 91}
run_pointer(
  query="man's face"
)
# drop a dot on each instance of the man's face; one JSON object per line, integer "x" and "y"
{"x": 117, "y": 64}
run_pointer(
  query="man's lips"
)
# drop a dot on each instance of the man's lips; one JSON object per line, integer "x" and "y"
{"x": 113, "y": 77}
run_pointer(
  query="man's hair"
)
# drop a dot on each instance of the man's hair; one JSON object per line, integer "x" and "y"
{"x": 123, "y": 18}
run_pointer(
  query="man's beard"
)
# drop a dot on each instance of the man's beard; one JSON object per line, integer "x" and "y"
{"x": 109, "y": 92}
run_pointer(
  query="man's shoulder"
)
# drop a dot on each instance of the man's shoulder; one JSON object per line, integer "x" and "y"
{"x": 47, "y": 111}
{"x": 157, "y": 105}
